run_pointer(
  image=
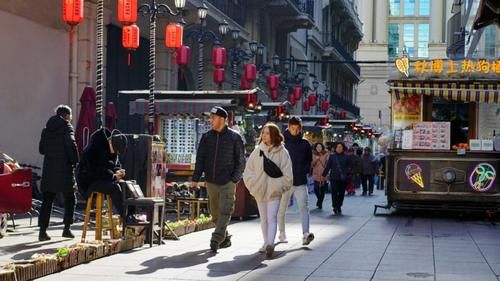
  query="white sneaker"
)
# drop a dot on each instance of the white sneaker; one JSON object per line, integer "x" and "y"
{"x": 308, "y": 237}
{"x": 282, "y": 237}
{"x": 263, "y": 248}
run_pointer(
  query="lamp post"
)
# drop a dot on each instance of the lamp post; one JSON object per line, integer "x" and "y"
{"x": 153, "y": 10}
{"x": 237, "y": 56}
{"x": 202, "y": 35}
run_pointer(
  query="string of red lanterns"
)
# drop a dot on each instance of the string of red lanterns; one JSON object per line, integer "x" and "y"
{"x": 72, "y": 11}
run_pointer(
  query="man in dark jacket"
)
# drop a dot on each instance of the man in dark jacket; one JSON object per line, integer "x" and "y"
{"x": 99, "y": 169}
{"x": 221, "y": 158}
{"x": 58, "y": 146}
{"x": 301, "y": 154}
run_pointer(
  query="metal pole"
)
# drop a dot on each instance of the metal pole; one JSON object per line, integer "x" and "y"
{"x": 99, "y": 62}
{"x": 152, "y": 69}
{"x": 200, "y": 58}
{"x": 234, "y": 81}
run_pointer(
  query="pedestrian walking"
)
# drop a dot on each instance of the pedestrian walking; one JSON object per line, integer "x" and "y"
{"x": 319, "y": 160}
{"x": 368, "y": 170}
{"x": 339, "y": 167}
{"x": 268, "y": 190}
{"x": 221, "y": 158}
{"x": 355, "y": 179}
{"x": 58, "y": 146}
{"x": 100, "y": 169}
{"x": 301, "y": 155}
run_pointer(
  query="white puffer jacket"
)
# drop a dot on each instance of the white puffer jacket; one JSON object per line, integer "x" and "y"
{"x": 260, "y": 185}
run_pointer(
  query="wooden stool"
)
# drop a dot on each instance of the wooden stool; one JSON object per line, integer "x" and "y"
{"x": 98, "y": 214}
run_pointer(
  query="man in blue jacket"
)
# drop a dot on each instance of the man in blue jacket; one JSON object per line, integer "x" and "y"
{"x": 221, "y": 158}
{"x": 301, "y": 154}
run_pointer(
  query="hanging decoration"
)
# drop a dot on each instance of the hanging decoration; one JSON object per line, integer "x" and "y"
{"x": 306, "y": 106}
{"x": 292, "y": 100}
{"x": 173, "y": 35}
{"x": 245, "y": 85}
{"x": 297, "y": 92}
{"x": 219, "y": 76}
{"x": 273, "y": 81}
{"x": 275, "y": 94}
{"x": 127, "y": 11}
{"x": 250, "y": 72}
{"x": 130, "y": 39}
{"x": 325, "y": 105}
{"x": 219, "y": 56}
{"x": 312, "y": 99}
{"x": 182, "y": 58}
{"x": 72, "y": 14}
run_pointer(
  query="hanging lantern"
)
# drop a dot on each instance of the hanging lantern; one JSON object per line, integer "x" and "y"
{"x": 306, "y": 106}
{"x": 325, "y": 105}
{"x": 297, "y": 92}
{"x": 275, "y": 94}
{"x": 280, "y": 111}
{"x": 245, "y": 85}
{"x": 326, "y": 121}
{"x": 312, "y": 100}
{"x": 219, "y": 76}
{"x": 183, "y": 54}
{"x": 273, "y": 81}
{"x": 292, "y": 100}
{"x": 250, "y": 72}
{"x": 343, "y": 115}
{"x": 173, "y": 35}
{"x": 130, "y": 39}
{"x": 72, "y": 11}
{"x": 219, "y": 56}
{"x": 72, "y": 15}
{"x": 127, "y": 11}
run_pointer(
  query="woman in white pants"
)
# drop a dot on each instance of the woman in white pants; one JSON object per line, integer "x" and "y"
{"x": 267, "y": 190}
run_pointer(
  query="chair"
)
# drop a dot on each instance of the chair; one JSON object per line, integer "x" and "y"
{"x": 149, "y": 203}
{"x": 98, "y": 196}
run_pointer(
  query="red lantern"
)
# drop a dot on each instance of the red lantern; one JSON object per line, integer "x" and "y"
{"x": 73, "y": 11}
{"x": 312, "y": 100}
{"x": 219, "y": 56}
{"x": 273, "y": 81}
{"x": 275, "y": 94}
{"x": 219, "y": 76}
{"x": 306, "y": 106}
{"x": 127, "y": 11}
{"x": 280, "y": 111}
{"x": 130, "y": 39}
{"x": 250, "y": 72}
{"x": 325, "y": 105}
{"x": 251, "y": 101}
{"x": 292, "y": 100}
{"x": 245, "y": 85}
{"x": 173, "y": 35}
{"x": 183, "y": 54}
{"x": 343, "y": 115}
{"x": 297, "y": 92}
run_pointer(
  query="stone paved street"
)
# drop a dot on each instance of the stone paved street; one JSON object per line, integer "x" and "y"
{"x": 354, "y": 247}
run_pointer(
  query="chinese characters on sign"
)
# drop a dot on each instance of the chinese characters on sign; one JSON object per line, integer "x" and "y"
{"x": 439, "y": 66}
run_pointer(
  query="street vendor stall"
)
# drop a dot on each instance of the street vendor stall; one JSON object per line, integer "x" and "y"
{"x": 444, "y": 126}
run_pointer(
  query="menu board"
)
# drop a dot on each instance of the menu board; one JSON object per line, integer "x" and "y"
{"x": 431, "y": 135}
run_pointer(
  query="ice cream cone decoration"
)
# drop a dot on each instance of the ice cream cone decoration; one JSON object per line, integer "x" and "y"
{"x": 414, "y": 173}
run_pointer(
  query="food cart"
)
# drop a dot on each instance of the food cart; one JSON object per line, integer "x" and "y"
{"x": 445, "y": 153}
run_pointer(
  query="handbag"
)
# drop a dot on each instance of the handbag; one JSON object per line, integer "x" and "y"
{"x": 270, "y": 168}
{"x": 343, "y": 176}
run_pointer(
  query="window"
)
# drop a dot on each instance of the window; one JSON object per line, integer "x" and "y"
{"x": 424, "y": 7}
{"x": 393, "y": 40}
{"x": 490, "y": 41}
{"x": 409, "y": 39}
{"x": 457, "y": 113}
{"x": 423, "y": 40}
{"x": 409, "y": 7}
{"x": 394, "y": 7}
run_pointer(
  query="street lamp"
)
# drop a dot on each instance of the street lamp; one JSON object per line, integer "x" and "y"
{"x": 154, "y": 10}
{"x": 237, "y": 56}
{"x": 202, "y": 35}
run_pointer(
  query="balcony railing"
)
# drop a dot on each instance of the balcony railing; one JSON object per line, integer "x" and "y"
{"x": 235, "y": 10}
{"x": 339, "y": 101}
{"x": 330, "y": 41}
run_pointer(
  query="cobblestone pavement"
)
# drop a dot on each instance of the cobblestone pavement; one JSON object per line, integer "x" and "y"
{"x": 356, "y": 246}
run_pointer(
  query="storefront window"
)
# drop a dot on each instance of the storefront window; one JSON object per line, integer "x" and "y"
{"x": 457, "y": 113}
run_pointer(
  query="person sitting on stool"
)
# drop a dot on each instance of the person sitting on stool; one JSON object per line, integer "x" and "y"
{"x": 100, "y": 169}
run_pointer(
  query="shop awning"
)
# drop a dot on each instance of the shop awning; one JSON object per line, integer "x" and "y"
{"x": 174, "y": 106}
{"x": 466, "y": 91}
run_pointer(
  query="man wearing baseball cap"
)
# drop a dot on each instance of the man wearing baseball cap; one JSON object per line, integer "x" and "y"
{"x": 221, "y": 158}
